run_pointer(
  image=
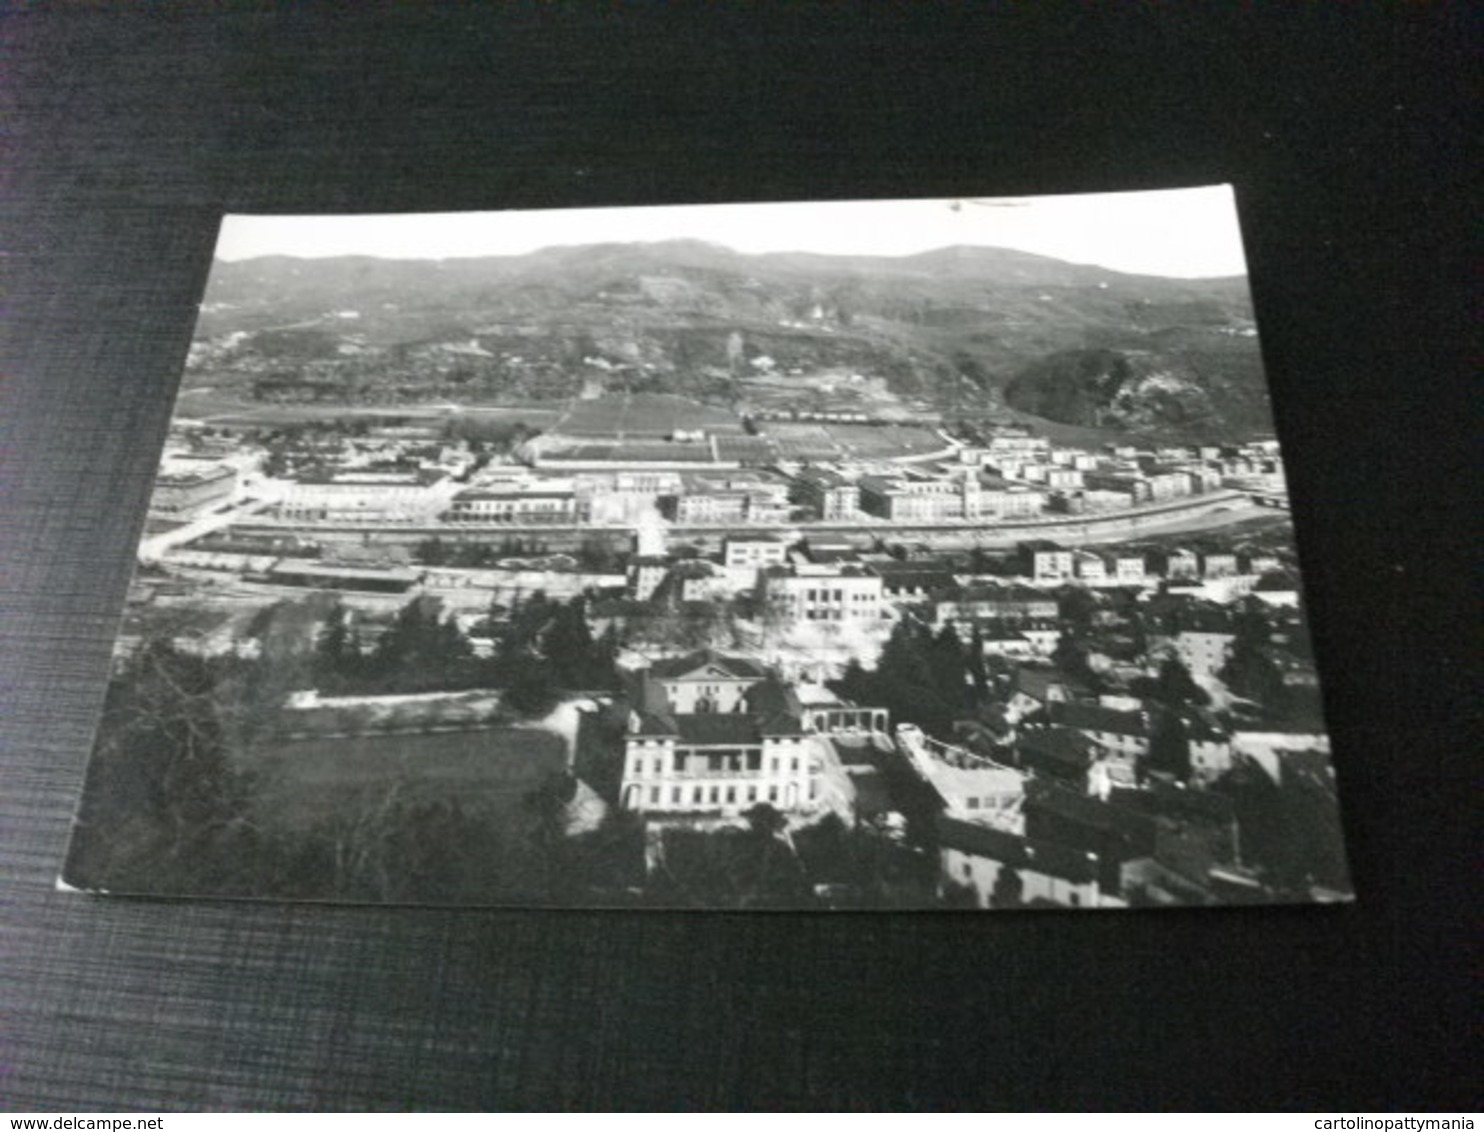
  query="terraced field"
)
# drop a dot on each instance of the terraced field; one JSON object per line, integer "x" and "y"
{"x": 643, "y": 416}
{"x": 825, "y": 441}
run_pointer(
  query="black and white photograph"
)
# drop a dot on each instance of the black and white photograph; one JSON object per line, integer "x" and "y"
{"x": 893, "y": 555}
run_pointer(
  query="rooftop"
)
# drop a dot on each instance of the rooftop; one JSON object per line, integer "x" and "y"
{"x": 680, "y": 667}
{"x": 1094, "y": 717}
{"x": 1018, "y": 852}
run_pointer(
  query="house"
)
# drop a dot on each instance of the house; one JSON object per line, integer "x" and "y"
{"x": 1129, "y": 569}
{"x": 1057, "y": 753}
{"x": 805, "y": 592}
{"x": 743, "y": 557}
{"x": 998, "y": 498}
{"x": 753, "y": 552}
{"x": 1113, "y": 833}
{"x": 966, "y": 605}
{"x": 1182, "y": 565}
{"x": 1063, "y": 479}
{"x": 322, "y": 576}
{"x": 911, "y": 498}
{"x": 1125, "y": 733}
{"x": 1195, "y": 830}
{"x": 1220, "y": 566}
{"x": 698, "y": 580}
{"x": 1203, "y": 653}
{"x": 1114, "y": 491}
{"x": 828, "y": 493}
{"x": 646, "y": 572}
{"x": 827, "y": 551}
{"x": 1001, "y": 869}
{"x": 1271, "y": 750}
{"x": 1277, "y": 588}
{"x": 1092, "y": 569}
{"x": 1046, "y": 562}
{"x": 368, "y": 496}
{"x": 913, "y": 581}
{"x": 743, "y": 497}
{"x": 1034, "y": 688}
{"x": 716, "y": 735}
{"x": 1008, "y": 643}
{"x": 182, "y": 492}
{"x": 969, "y": 787}
{"x": 1210, "y": 749}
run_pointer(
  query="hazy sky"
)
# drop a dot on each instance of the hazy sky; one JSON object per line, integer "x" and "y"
{"x": 1181, "y": 232}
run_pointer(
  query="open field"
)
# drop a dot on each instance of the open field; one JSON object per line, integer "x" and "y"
{"x": 812, "y": 440}
{"x": 491, "y": 771}
{"x": 223, "y": 410}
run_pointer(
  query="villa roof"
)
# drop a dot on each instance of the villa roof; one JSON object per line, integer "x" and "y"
{"x": 692, "y": 664}
{"x": 718, "y": 729}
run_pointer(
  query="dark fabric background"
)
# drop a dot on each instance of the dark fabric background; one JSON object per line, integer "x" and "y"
{"x": 1343, "y": 127}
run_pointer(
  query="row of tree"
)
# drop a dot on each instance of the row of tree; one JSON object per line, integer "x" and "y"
{"x": 540, "y": 649}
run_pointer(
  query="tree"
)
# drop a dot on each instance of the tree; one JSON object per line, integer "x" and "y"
{"x": 776, "y": 878}
{"x": 1070, "y": 656}
{"x": 959, "y": 895}
{"x": 335, "y": 654}
{"x": 854, "y": 683}
{"x": 946, "y": 660}
{"x": 1169, "y": 745}
{"x": 1290, "y": 829}
{"x": 568, "y": 645}
{"x": 161, "y": 792}
{"x": 1175, "y": 687}
{"x": 1009, "y": 889}
{"x": 530, "y": 688}
{"x": 974, "y": 666}
{"x": 765, "y": 821}
{"x": 1250, "y": 670}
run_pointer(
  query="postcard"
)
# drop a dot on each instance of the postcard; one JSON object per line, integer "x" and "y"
{"x": 917, "y": 554}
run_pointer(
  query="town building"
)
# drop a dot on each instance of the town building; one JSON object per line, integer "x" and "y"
{"x": 715, "y": 735}
{"x": 1057, "y": 753}
{"x": 1047, "y": 563}
{"x": 367, "y": 496}
{"x": 1115, "y": 834}
{"x": 966, "y": 607}
{"x": 913, "y": 581}
{"x": 182, "y": 493}
{"x": 646, "y": 572}
{"x": 999, "y": 499}
{"x": 1129, "y": 569}
{"x": 974, "y": 857}
{"x": 969, "y": 787}
{"x": 1035, "y": 688}
{"x": 802, "y": 593}
{"x": 1092, "y": 569}
{"x": 533, "y": 503}
{"x": 746, "y": 497}
{"x": 912, "y": 497}
{"x": 753, "y": 553}
{"x": 830, "y": 495}
{"x": 1125, "y": 733}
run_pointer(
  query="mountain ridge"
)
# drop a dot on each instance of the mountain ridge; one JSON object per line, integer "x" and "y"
{"x": 962, "y": 327}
